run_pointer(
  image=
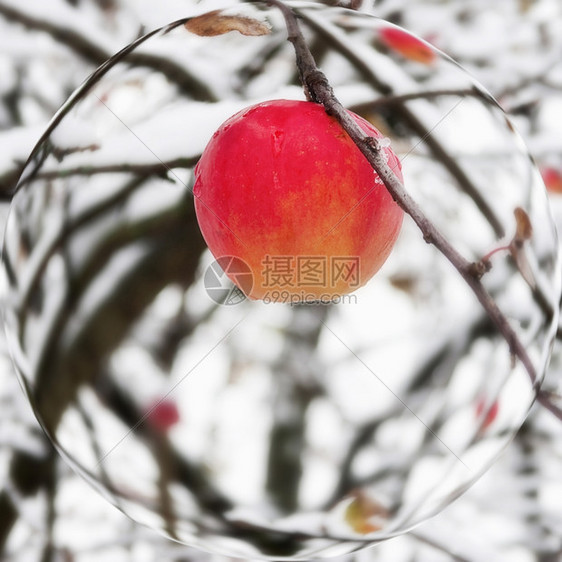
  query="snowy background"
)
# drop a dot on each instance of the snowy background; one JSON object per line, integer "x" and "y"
{"x": 47, "y": 48}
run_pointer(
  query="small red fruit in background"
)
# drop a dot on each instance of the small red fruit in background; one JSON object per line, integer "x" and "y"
{"x": 162, "y": 415}
{"x": 492, "y": 412}
{"x": 407, "y": 45}
{"x": 283, "y": 187}
{"x": 552, "y": 179}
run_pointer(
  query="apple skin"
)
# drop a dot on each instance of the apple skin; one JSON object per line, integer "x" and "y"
{"x": 282, "y": 180}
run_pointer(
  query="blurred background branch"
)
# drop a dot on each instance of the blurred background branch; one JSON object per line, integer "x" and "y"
{"x": 46, "y": 50}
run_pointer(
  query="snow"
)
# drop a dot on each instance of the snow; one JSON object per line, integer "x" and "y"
{"x": 139, "y": 118}
{"x": 16, "y": 145}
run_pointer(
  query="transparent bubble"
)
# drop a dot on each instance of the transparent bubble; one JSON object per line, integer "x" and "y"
{"x": 275, "y": 430}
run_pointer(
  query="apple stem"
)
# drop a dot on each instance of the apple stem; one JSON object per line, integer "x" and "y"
{"x": 319, "y": 90}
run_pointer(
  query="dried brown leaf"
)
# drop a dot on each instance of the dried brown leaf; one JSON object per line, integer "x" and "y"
{"x": 524, "y": 266}
{"x": 406, "y": 283}
{"x": 216, "y": 23}
{"x": 524, "y": 228}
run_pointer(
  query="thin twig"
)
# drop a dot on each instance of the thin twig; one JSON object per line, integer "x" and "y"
{"x": 531, "y": 80}
{"x": 544, "y": 398}
{"x": 400, "y": 99}
{"x": 150, "y": 169}
{"x": 437, "y": 546}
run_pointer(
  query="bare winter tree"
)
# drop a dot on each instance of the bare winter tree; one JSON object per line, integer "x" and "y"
{"x": 109, "y": 327}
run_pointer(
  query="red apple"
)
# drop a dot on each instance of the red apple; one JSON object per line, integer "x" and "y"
{"x": 283, "y": 187}
{"x": 491, "y": 412}
{"x": 552, "y": 179}
{"x": 407, "y": 45}
{"x": 162, "y": 415}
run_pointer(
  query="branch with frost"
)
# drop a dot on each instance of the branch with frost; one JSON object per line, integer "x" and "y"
{"x": 141, "y": 170}
{"x": 319, "y": 90}
{"x": 28, "y": 475}
{"x": 399, "y": 99}
{"x": 425, "y": 377}
{"x": 464, "y": 182}
{"x": 552, "y": 402}
{"x": 433, "y": 543}
{"x": 57, "y": 384}
{"x": 96, "y": 54}
{"x": 15, "y": 146}
{"x": 294, "y": 393}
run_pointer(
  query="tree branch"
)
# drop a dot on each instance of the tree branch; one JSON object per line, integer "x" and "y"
{"x": 400, "y": 99}
{"x": 544, "y": 398}
{"x": 190, "y": 474}
{"x": 320, "y": 91}
{"x": 95, "y": 54}
{"x": 143, "y": 170}
{"x": 28, "y": 474}
{"x": 294, "y": 393}
{"x": 412, "y": 121}
{"x": 438, "y": 546}
{"x": 8, "y": 518}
